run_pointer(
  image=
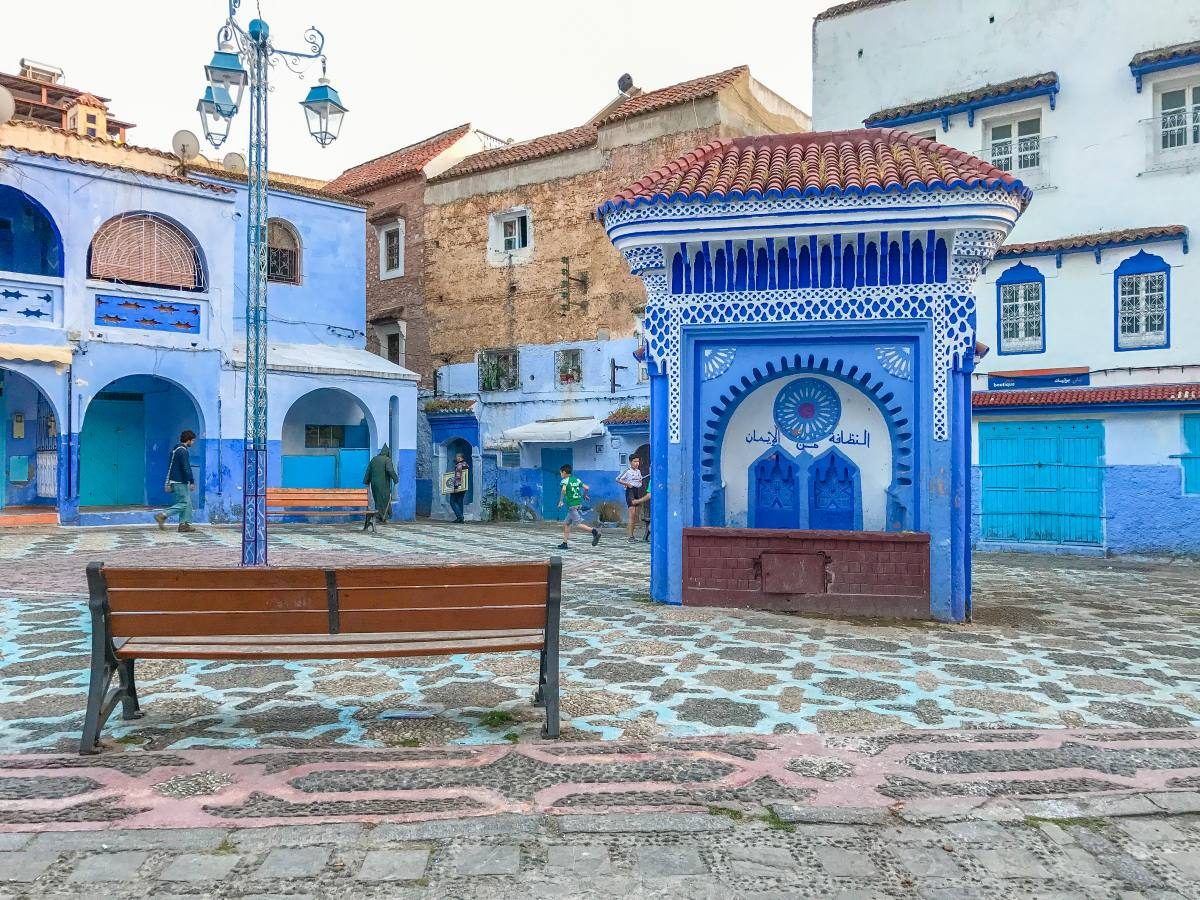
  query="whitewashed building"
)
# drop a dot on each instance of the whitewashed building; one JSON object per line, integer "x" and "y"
{"x": 1087, "y": 393}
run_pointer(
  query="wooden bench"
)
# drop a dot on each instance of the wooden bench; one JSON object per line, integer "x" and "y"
{"x": 315, "y": 613}
{"x": 320, "y": 502}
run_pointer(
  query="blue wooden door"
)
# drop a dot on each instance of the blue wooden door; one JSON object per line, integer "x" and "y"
{"x": 112, "y": 454}
{"x": 775, "y": 497}
{"x": 1042, "y": 481}
{"x": 833, "y": 494}
{"x": 352, "y": 465}
{"x": 3, "y": 443}
{"x": 301, "y": 471}
{"x": 553, "y": 458}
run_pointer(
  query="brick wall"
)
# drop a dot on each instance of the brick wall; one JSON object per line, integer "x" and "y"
{"x": 404, "y": 297}
{"x": 862, "y": 573}
{"x": 504, "y": 306}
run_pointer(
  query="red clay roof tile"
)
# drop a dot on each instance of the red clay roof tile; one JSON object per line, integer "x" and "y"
{"x": 1100, "y": 238}
{"x": 1130, "y": 393}
{"x": 547, "y": 145}
{"x": 400, "y": 163}
{"x": 684, "y": 92}
{"x": 935, "y": 104}
{"x": 863, "y": 161}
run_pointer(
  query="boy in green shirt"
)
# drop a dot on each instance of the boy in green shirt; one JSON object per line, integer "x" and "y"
{"x": 572, "y": 494}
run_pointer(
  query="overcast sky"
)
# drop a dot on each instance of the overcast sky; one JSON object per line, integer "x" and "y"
{"x": 407, "y": 69}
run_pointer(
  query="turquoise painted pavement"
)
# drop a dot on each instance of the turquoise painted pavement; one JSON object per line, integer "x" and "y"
{"x": 1057, "y": 643}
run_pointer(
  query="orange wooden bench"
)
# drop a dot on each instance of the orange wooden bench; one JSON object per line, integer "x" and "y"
{"x": 315, "y": 613}
{"x": 320, "y": 502}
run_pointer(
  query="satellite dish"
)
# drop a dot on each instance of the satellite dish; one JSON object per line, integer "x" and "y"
{"x": 186, "y": 145}
{"x": 8, "y": 106}
{"x": 625, "y": 83}
{"x": 234, "y": 162}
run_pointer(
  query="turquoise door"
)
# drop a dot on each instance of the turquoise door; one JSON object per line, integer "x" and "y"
{"x": 3, "y": 443}
{"x": 553, "y": 458}
{"x": 112, "y": 454}
{"x": 1042, "y": 481}
{"x": 309, "y": 471}
{"x": 352, "y": 465}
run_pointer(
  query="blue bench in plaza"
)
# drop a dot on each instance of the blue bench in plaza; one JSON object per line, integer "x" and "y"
{"x": 315, "y": 613}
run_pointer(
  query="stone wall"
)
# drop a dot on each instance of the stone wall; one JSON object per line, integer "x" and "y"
{"x": 860, "y": 573}
{"x": 475, "y": 305}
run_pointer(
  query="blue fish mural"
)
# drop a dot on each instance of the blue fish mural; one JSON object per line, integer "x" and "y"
{"x": 11, "y": 295}
{"x": 34, "y": 313}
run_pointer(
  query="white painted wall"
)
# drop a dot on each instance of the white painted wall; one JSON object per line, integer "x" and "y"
{"x": 1095, "y": 143}
{"x": 755, "y": 416}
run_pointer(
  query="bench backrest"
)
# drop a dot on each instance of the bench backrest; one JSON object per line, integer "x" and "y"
{"x": 318, "y": 498}
{"x": 352, "y": 600}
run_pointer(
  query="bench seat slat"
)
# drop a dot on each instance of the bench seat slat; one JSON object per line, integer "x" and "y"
{"x": 482, "y": 618}
{"x": 382, "y": 637}
{"x": 485, "y": 574}
{"x": 225, "y": 578}
{"x": 182, "y": 600}
{"x": 183, "y": 624}
{"x": 342, "y": 510}
{"x": 147, "y": 649}
{"x": 429, "y": 596}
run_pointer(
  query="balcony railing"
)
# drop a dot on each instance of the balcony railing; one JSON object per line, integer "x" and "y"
{"x": 1028, "y": 158}
{"x": 1173, "y": 139}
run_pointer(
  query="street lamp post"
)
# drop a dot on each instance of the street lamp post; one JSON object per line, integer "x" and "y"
{"x": 242, "y": 61}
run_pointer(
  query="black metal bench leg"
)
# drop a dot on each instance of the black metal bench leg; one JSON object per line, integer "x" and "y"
{"x": 549, "y": 676}
{"x": 539, "y": 695}
{"x": 130, "y": 709}
{"x": 101, "y": 677}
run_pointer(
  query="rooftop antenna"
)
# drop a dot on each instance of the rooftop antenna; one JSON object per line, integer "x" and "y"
{"x": 625, "y": 83}
{"x": 8, "y": 105}
{"x": 234, "y": 162}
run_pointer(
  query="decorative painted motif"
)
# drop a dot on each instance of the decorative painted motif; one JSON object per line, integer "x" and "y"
{"x": 807, "y": 410}
{"x": 717, "y": 361}
{"x": 896, "y": 361}
{"x": 29, "y": 303}
{"x": 147, "y": 314}
{"x": 644, "y": 259}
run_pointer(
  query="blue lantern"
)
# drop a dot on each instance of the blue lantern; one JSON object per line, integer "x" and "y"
{"x": 324, "y": 110}
{"x": 216, "y": 109}
{"x": 226, "y": 77}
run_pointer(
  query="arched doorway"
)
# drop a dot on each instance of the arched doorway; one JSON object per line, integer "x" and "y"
{"x": 129, "y": 430}
{"x": 327, "y": 439}
{"x": 29, "y": 448}
{"x": 643, "y": 455}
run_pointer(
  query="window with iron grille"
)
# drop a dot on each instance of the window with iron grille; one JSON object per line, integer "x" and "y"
{"x": 1016, "y": 145}
{"x": 1142, "y": 309}
{"x": 141, "y": 248}
{"x": 1021, "y": 316}
{"x": 568, "y": 366}
{"x": 499, "y": 370}
{"x": 283, "y": 253}
{"x": 1180, "y": 117}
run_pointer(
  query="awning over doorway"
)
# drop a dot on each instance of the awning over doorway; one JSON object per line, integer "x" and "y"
{"x": 555, "y": 431}
{"x": 58, "y": 354}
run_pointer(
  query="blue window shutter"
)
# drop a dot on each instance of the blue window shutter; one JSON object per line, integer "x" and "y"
{"x": 1191, "y": 455}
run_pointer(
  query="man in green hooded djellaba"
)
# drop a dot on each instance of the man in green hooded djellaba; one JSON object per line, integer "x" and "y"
{"x": 381, "y": 475}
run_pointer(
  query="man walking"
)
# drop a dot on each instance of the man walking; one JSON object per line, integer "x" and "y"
{"x": 180, "y": 484}
{"x": 381, "y": 475}
{"x": 631, "y": 480}
{"x": 458, "y": 486}
{"x": 572, "y": 494}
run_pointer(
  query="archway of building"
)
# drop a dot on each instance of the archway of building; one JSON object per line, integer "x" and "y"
{"x": 29, "y": 447}
{"x": 30, "y": 242}
{"x": 327, "y": 440}
{"x": 129, "y": 430}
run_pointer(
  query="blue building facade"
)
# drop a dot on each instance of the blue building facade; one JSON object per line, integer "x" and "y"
{"x": 810, "y": 327}
{"x": 123, "y": 317}
{"x": 583, "y": 403}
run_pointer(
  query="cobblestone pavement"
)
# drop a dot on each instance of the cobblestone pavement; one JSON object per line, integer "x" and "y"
{"x": 1056, "y": 643}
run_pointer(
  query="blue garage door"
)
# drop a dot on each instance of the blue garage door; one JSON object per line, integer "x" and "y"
{"x": 1042, "y": 481}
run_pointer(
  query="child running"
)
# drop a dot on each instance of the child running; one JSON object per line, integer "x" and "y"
{"x": 572, "y": 494}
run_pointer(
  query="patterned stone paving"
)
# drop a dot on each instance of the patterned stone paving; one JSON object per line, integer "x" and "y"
{"x": 1056, "y": 643}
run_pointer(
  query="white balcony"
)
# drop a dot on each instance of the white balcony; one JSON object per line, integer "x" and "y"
{"x": 1027, "y": 158}
{"x": 1173, "y": 139}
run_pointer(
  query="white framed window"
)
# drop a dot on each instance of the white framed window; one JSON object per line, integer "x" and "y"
{"x": 1021, "y": 317}
{"x": 499, "y": 370}
{"x": 568, "y": 367}
{"x": 393, "y": 340}
{"x": 1142, "y": 310}
{"x": 510, "y": 236}
{"x": 1179, "y": 115}
{"x": 391, "y": 249}
{"x": 1015, "y": 144}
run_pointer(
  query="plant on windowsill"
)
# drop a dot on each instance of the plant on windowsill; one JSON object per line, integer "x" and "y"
{"x": 628, "y": 415}
{"x": 448, "y": 406}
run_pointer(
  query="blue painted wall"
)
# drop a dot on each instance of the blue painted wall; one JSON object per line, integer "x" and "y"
{"x": 194, "y": 369}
